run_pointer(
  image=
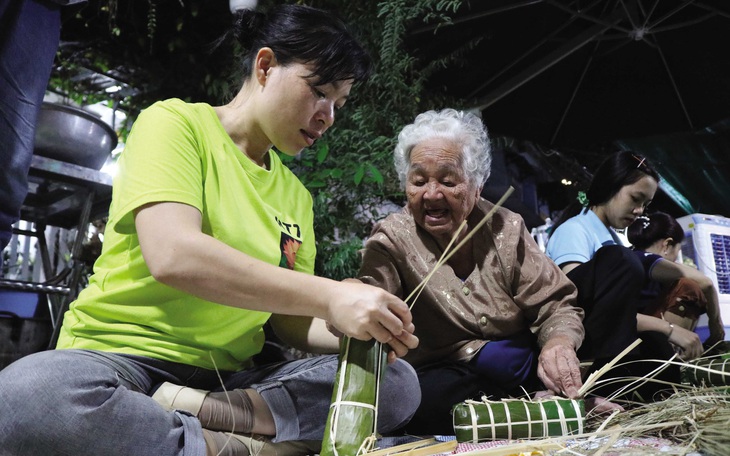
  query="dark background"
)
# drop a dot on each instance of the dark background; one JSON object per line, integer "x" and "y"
{"x": 559, "y": 83}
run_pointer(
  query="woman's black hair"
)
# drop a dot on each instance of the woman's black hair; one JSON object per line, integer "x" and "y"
{"x": 617, "y": 171}
{"x": 648, "y": 229}
{"x": 298, "y": 33}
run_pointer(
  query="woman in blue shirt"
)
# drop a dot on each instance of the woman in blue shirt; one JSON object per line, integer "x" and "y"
{"x": 609, "y": 276}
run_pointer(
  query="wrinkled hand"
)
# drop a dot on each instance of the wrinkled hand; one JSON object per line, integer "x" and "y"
{"x": 558, "y": 367}
{"x": 688, "y": 342}
{"x": 365, "y": 312}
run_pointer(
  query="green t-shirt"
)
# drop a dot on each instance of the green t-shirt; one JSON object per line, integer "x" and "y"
{"x": 180, "y": 152}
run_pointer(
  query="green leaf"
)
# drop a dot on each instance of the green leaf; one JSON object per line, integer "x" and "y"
{"x": 322, "y": 151}
{"x": 359, "y": 174}
{"x": 377, "y": 175}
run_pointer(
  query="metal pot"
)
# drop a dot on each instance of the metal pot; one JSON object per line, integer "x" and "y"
{"x": 73, "y": 135}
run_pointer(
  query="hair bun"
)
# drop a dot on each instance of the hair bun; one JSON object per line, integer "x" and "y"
{"x": 246, "y": 25}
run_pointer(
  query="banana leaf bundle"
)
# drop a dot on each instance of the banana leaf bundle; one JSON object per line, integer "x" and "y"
{"x": 352, "y": 420}
{"x": 479, "y": 421}
{"x": 707, "y": 372}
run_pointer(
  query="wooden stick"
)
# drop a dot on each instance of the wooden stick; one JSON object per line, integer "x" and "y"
{"x": 421, "y": 286}
{"x": 420, "y": 448}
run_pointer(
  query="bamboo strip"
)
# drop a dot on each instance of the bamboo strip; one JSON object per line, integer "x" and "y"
{"x": 404, "y": 447}
{"x": 425, "y": 447}
{"x": 597, "y": 374}
{"x": 636, "y": 382}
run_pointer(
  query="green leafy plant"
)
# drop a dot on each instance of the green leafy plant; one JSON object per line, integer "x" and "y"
{"x": 350, "y": 172}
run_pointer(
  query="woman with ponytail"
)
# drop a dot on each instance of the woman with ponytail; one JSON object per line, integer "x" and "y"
{"x": 673, "y": 291}
{"x": 209, "y": 237}
{"x": 609, "y": 276}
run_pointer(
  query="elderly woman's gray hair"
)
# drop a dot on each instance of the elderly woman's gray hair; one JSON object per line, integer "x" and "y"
{"x": 464, "y": 128}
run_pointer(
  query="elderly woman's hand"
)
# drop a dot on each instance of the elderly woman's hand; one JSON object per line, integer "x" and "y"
{"x": 364, "y": 312}
{"x": 558, "y": 367}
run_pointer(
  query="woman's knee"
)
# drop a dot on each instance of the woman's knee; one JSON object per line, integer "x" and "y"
{"x": 399, "y": 398}
{"x": 31, "y": 389}
{"x": 51, "y": 381}
{"x": 618, "y": 256}
{"x": 24, "y": 375}
{"x": 620, "y": 262}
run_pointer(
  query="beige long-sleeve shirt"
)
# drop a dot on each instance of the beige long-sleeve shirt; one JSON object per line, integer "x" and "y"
{"x": 513, "y": 287}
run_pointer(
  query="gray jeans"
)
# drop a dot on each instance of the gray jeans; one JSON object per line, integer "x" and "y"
{"x": 79, "y": 402}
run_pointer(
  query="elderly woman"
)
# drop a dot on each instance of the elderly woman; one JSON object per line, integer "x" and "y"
{"x": 499, "y": 314}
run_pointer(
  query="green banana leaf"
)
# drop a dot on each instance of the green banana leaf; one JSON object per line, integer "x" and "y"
{"x": 351, "y": 423}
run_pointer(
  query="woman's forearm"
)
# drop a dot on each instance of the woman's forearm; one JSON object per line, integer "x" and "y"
{"x": 649, "y": 323}
{"x": 713, "y": 301}
{"x": 191, "y": 261}
{"x": 305, "y": 333}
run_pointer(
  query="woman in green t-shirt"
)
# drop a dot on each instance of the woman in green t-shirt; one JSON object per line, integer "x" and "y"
{"x": 209, "y": 237}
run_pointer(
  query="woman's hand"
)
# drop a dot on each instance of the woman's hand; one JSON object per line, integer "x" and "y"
{"x": 558, "y": 367}
{"x": 688, "y": 342}
{"x": 335, "y": 332}
{"x": 364, "y": 312}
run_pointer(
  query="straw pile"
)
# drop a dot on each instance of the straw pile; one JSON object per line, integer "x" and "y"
{"x": 693, "y": 419}
{"x": 697, "y": 418}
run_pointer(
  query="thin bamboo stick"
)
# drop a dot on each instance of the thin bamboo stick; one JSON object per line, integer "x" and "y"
{"x": 424, "y": 447}
{"x": 597, "y": 374}
{"x": 446, "y": 256}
